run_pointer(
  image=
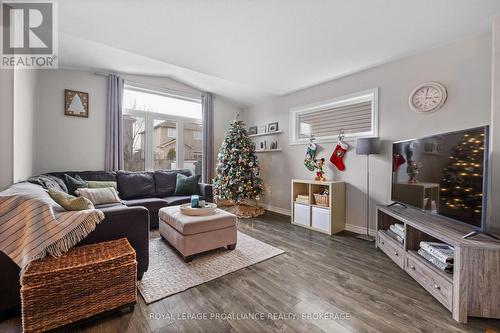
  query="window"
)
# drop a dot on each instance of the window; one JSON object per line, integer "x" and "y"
{"x": 355, "y": 114}
{"x": 197, "y": 135}
{"x": 158, "y": 129}
{"x": 172, "y": 132}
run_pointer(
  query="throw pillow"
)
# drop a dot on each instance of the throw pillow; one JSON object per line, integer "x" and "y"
{"x": 99, "y": 196}
{"x": 74, "y": 183}
{"x": 187, "y": 185}
{"x": 101, "y": 184}
{"x": 70, "y": 202}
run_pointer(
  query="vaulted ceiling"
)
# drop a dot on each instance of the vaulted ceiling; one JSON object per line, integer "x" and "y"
{"x": 249, "y": 50}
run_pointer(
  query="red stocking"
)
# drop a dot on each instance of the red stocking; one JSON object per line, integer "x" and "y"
{"x": 338, "y": 155}
{"x": 397, "y": 161}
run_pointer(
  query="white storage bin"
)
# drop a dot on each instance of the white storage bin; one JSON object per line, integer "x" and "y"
{"x": 301, "y": 214}
{"x": 321, "y": 218}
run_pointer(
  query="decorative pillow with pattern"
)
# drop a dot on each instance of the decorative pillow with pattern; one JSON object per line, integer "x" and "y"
{"x": 99, "y": 196}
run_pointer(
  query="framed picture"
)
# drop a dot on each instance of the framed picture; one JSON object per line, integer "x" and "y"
{"x": 262, "y": 129}
{"x": 272, "y": 127}
{"x": 252, "y": 130}
{"x": 76, "y": 103}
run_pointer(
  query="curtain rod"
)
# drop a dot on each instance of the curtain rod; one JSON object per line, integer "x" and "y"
{"x": 154, "y": 86}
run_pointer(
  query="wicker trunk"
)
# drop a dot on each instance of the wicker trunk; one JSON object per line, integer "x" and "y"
{"x": 85, "y": 281}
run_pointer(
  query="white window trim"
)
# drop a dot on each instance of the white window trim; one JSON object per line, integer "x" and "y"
{"x": 370, "y": 94}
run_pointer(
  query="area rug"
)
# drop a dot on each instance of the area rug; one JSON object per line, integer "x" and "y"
{"x": 168, "y": 274}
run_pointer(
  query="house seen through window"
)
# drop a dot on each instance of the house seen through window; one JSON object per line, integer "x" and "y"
{"x": 161, "y": 130}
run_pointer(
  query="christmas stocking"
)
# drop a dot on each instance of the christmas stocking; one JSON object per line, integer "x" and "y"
{"x": 310, "y": 156}
{"x": 338, "y": 155}
{"x": 397, "y": 161}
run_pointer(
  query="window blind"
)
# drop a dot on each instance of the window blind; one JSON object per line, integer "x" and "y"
{"x": 352, "y": 118}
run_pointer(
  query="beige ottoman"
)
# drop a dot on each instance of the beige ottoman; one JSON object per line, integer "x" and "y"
{"x": 195, "y": 234}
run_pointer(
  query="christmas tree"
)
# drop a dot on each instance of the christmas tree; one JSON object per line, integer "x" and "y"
{"x": 238, "y": 179}
{"x": 462, "y": 185}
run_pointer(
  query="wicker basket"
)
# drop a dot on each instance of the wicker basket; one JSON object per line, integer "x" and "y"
{"x": 85, "y": 281}
{"x": 322, "y": 199}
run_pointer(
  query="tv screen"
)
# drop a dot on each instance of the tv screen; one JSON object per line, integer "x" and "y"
{"x": 443, "y": 174}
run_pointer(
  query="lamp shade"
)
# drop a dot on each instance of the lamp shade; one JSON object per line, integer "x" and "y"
{"x": 367, "y": 146}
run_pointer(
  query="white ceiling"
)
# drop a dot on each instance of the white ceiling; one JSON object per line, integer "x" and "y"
{"x": 249, "y": 50}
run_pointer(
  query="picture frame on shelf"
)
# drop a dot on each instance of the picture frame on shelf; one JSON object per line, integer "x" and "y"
{"x": 262, "y": 129}
{"x": 252, "y": 130}
{"x": 272, "y": 127}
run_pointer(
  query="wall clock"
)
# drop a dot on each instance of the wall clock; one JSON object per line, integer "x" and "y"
{"x": 427, "y": 97}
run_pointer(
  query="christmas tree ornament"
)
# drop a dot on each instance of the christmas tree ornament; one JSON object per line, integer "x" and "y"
{"x": 237, "y": 184}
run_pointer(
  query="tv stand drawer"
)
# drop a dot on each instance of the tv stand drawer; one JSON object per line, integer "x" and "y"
{"x": 430, "y": 279}
{"x": 392, "y": 248}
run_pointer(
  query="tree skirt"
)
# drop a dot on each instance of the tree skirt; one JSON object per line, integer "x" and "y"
{"x": 245, "y": 210}
{"x": 168, "y": 274}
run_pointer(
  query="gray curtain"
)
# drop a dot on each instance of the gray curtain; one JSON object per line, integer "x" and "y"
{"x": 207, "y": 106}
{"x": 114, "y": 145}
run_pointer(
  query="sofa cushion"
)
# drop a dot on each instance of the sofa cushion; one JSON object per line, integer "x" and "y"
{"x": 74, "y": 183}
{"x": 108, "y": 205}
{"x": 187, "y": 185}
{"x": 179, "y": 199}
{"x": 88, "y": 175}
{"x": 69, "y": 202}
{"x": 101, "y": 184}
{"x": 152, "y": 204}
{"x": 99, "y": 196}
{"x": 132, "y": 185}
{"x": 166, "y": 180}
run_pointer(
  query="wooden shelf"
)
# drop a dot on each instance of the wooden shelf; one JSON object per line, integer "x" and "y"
{"x": 264, "y": 134}
{"x": 267, "y": 150}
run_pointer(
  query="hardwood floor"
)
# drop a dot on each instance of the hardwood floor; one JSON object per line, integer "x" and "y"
{"x": 318, "y": 274}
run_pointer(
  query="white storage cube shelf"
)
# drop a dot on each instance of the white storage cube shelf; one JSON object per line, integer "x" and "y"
{"x": 328, "y": 220}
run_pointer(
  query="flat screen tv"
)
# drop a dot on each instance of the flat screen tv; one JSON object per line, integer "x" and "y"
{"x": 444, "y": 174}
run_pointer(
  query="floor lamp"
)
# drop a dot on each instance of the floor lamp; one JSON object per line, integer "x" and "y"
{"x": 367, "y": 146}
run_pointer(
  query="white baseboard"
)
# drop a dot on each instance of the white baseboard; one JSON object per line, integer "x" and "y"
{"x": 359, "y": 229}
{"x": 349, "y": 227}
{"x": 275, "y": 209}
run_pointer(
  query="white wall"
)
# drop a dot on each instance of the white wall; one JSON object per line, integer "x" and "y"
{"x": 64, "y": 142}
{"x": 494, "y": 209}
{"x": 464, "y": 67}
{"x": 25, "y": 104}
{"x": 71, "y": 143}
{"x": 6, "y": 122}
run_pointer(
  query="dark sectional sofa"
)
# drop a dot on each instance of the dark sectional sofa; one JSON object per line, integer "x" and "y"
{"x": 143, "y": 194}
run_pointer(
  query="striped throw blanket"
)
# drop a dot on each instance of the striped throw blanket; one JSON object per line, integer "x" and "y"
{"x": 33, "y": 225}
